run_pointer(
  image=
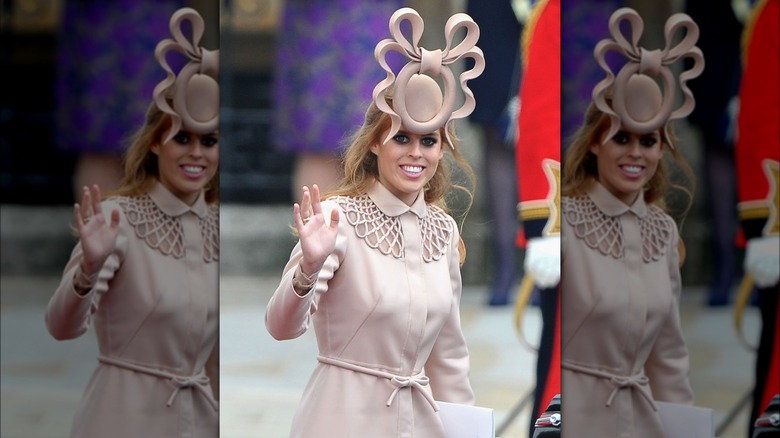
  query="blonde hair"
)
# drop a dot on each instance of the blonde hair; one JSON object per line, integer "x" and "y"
{"x": 361, "y": 169}
{"x": 141, "y": 170}
{"x": 580, "y": 169}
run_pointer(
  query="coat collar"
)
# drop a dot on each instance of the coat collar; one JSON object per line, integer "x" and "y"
{"x": 612, "y": 206}
{"x": 392, "y": 206}
{"x": 173, "y": 206}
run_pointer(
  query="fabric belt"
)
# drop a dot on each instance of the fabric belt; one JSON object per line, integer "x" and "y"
{"x": 416, "y": 381}
{"x": 638, "y": 381}
{"x": 199, "y": 381}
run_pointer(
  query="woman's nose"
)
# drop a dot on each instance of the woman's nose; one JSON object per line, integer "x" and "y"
{"x": 415, "y": 149}
{"x": 197, "y": 149}
{"x": 634, "y": 149}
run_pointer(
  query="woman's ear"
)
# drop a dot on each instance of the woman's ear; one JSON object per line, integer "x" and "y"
{"x": 375, "y": 148}
{"x": 594, "y": 149}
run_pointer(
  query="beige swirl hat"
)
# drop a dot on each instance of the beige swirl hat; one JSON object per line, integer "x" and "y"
{"x": 638, "y": 102}
{"x": 420, "y": 104}
{"x": 190, "y": 97}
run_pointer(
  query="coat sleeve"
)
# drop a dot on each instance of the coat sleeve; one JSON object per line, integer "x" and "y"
{"x": 448, "y": 364}
{"x": 288, "y": 314}
{"x": 668, "y": 364}
{"x": 68, "y": 314}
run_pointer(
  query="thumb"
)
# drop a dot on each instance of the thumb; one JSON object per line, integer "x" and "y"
{"x": 114, "y": 219}
{"x": 334, "y": 218}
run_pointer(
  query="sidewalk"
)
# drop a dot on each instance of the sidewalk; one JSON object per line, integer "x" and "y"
{"x": 262, "y": 378}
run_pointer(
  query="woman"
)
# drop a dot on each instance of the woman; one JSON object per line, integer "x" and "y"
{"x": 377, "y": 266}
{"x": 622, "y": 348}
{"x": 145, "y": 269}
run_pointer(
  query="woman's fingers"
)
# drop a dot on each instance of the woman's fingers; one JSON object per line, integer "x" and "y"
{"x": 305, "y": 203}
{"x": 316, "y": 206}
{"x": 86, "y": 205}
{"x": 297, "y": 216}
{"x": 310, "y": 209}
{"x": 83, "y": 211}
{"x": 96, "y": 209}
{"x": 90, "y": 210}
{"x": 77, "y": 216}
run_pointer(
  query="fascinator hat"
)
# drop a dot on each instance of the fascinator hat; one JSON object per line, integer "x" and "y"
{"x": 419, "y": 103}
{"x": 635, "y": 97}
{"x": 191, "y": 96}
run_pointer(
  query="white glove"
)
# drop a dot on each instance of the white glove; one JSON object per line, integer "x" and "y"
{"x": 762, "y": 260}
{"x": 543, "y": 260}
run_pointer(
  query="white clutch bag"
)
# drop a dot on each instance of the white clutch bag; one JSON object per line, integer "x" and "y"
{"x": 686, "y": 421}
{"x": 464, "y": 421}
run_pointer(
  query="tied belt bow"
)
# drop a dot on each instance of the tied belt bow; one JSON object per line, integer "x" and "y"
{"x": 417, "y": 381}
{"x": 199, "y": 382}
{"x": 637, "y": 381}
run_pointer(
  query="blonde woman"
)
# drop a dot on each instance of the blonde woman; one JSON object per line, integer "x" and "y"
{"x": 622, "y": 346}
{"x": 376, "y": 270}
{"x": 144, "y": 272}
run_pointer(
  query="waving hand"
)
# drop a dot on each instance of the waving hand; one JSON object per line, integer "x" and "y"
{"x": 318, "y": 239}
{"x": 98, "y": 238}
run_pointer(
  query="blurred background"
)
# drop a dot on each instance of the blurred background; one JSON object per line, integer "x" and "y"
{"x": 42, "y": 379}
{"x": 37, "y": 171}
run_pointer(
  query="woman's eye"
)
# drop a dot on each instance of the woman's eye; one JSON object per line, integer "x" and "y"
{"x": 429, "y": 141}
{"x": 648, "y": 141}
{"x": 182, "y": 138}
{"x": 208, "y": 141}
{"x": 401, "y": 138}
{"x": 620, "y": 138}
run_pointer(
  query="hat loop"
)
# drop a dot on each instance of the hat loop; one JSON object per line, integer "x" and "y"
{"x": 634, "y": 93}
{"x": 193, "y": 92}
{"x": 433, "y": 64}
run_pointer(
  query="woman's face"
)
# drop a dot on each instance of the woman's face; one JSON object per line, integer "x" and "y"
{"x": 627, "y": 162}
{"x": 407, "y": 162}
{"x": 187, "y": 163}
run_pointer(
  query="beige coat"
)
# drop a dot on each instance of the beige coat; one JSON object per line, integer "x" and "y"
{"x": 385, "y": 310}
{"x": 155, "y": 310}
{"x": 621, "y": 342}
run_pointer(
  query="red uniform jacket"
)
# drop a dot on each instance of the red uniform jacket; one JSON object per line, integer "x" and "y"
{"x": 757, "y": 155}
{"x": 538, "y": 156}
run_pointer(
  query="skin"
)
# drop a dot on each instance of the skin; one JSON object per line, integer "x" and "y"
{"x": 318, "y": 240}
{"x": 186, "y": 164}
{"x": 627, "y": 162}
{"x": 407, "y": 162}
{"x": 98, "y": 238}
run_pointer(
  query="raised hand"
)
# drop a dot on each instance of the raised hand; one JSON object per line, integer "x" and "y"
{"x": 98, "y": 239}
{"x": 318, "y": 239}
